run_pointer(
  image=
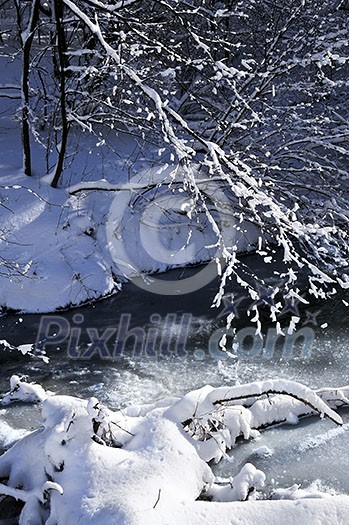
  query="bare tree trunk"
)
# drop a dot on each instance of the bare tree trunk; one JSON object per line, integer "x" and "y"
{"x": 27, "y": 40}
{"x": 62, "y": 58}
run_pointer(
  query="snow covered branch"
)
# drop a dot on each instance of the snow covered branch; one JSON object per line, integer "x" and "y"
{"x": 86, "y": 462}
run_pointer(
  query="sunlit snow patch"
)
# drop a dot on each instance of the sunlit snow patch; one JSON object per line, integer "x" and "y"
{"x": 150, "y": 464}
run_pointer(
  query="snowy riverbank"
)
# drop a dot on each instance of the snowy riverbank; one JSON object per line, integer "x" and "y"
{"x": 149, "y": 464}
{"x": 64, "y": 247}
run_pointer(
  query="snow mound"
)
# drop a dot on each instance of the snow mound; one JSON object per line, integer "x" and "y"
{"x": 150, "y": 465}
{"x": 24, "y": 392}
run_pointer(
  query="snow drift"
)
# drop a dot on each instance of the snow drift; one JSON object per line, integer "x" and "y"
{"x": 150, "y": 464}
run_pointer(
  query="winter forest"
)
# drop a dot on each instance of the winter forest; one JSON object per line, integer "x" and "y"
{"x": 174, "y": 308}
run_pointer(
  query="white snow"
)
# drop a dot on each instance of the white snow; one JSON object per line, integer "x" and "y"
{"x": 89, "y": 465}
{"x": 24, "y": 392}
{"x": 64, "y": 247}
{"x": 9, "y": 435}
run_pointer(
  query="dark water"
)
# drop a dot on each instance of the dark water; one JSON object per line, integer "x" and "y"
{"x": 177, "y": 351}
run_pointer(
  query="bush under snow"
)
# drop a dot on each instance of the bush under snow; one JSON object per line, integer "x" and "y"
{"x": 150, "y": 464}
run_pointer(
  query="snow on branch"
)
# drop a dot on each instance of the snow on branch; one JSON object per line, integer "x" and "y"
{"x": 86, "y": 462}
{"x": 218, "y": 416}
{"x": 253, "y": 96}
